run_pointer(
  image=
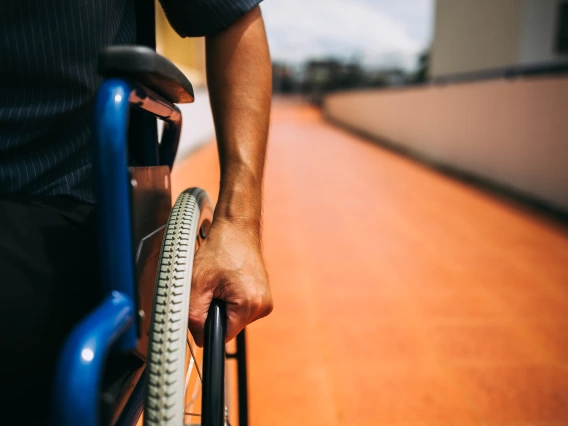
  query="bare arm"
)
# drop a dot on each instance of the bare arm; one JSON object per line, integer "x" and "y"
{"x": 239, "y": 77}
{"x": 229, "y": 265}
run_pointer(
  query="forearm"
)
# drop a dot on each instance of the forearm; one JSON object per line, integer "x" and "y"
{"x": 229, "y": 263}
{"x": 239, "y": 80}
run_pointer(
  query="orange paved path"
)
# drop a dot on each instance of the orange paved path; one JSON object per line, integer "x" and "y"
{"x": 403, "y": 297}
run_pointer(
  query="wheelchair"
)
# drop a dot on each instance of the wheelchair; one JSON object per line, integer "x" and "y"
{"x": 133, "y": 355}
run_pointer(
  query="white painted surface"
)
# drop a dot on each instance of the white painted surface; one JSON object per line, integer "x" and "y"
{"x": 539, "y": 28}
{"x": 198, "y": 127}
{"x": 473, "y": 35}
{"x": 513, "y": 133}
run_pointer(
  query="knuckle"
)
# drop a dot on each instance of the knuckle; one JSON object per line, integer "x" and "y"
{"x": 268, "y": 307}
{"x": 257, "y": 301}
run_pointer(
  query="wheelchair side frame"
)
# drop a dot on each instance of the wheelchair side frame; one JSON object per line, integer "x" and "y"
{"x": 114, "y": 323}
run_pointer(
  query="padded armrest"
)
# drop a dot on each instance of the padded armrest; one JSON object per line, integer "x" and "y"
{"x": 145, "y": 66}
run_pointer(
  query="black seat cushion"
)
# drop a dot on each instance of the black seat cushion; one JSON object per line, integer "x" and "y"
{"x": 145, "y": 66}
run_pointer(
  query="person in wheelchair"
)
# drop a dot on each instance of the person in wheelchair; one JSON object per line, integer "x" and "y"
{"x": 48, "y": 259}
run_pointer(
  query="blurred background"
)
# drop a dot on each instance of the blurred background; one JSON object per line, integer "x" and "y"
{"x": 416, "y": 203}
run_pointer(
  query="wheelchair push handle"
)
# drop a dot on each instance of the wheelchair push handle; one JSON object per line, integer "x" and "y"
{"x": 140, "y": 77}
{"x": 213, "y": 401}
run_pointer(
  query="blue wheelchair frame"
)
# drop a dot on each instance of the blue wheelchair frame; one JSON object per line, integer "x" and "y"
{"x": 113, "y": 325}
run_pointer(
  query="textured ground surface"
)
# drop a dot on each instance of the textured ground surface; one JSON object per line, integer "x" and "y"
{"x": 403, "y": 297}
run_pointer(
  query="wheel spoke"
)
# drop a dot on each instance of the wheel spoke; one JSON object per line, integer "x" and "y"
{"x": 189, "y": 367}
{"x": 197, "y": 385}
{"x": 189, "y": 405}
{"x": 196, "y": 364}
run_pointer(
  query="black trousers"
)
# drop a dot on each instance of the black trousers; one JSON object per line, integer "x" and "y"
{"x": 48, "y": 282}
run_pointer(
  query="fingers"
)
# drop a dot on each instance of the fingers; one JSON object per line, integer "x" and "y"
{"x": 238, "y": 317}
{"x": 239, "y": 314}
{"x": 233, "y": 271}
{"x": 198, "y": 309}
{"x": 235, "y": 323}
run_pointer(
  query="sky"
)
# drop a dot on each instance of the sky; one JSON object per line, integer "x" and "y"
{"x": 378, "y": 33}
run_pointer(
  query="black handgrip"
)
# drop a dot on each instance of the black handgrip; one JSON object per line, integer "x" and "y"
{"x": 213, "y": 391}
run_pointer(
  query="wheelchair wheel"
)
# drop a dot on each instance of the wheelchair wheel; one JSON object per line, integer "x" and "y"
{"x": 174, "y": 363}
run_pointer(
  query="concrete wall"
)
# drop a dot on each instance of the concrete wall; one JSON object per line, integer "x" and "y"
{"x": 513, "y": 133}
{"x": 539, "y": 29}
{"x": 472, "y": 35}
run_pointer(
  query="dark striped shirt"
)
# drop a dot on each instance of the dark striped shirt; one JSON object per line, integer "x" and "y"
{"x": 48, "y": 78}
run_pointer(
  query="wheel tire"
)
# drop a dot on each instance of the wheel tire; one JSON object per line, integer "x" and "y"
{"x": 189, "y": 221}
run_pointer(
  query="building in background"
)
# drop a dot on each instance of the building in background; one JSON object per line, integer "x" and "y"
{"x": 324, "y": 76}
{"x": 283, "y": 78}
{"x": 320, "y": 77}
{"x": 475, "y": 35}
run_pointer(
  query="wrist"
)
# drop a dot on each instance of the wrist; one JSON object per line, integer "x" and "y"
{"x": 240, "y": 209}
{"x": 237, "y": 223}
{"x": 240, "y": 198}
{"x": 238, "y": 229}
